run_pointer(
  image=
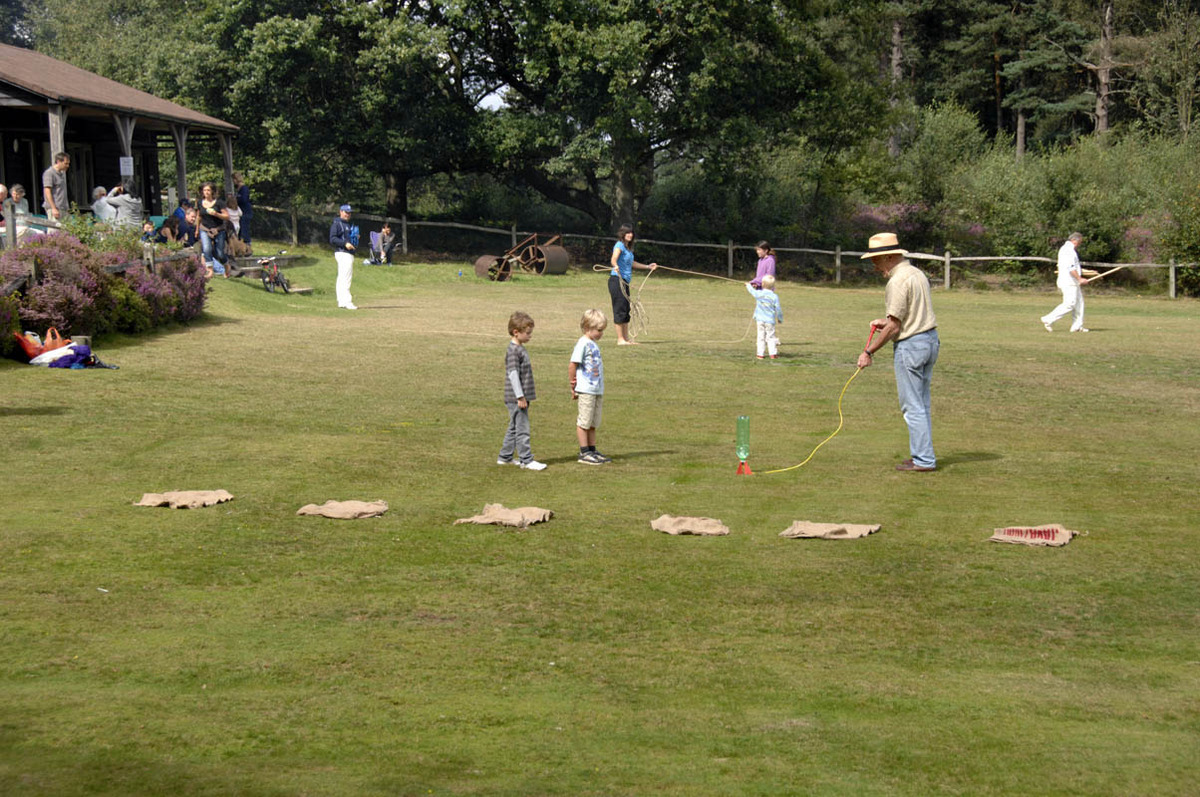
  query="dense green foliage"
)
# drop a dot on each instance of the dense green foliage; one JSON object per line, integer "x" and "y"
{"x": 802, "y": 122}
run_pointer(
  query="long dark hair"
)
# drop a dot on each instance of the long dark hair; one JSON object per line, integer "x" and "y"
{"x": 766, "y": 247}
{"x": 624, "y": 230}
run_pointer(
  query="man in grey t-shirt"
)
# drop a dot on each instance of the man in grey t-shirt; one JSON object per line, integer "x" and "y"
{"x": 54, "y": 187}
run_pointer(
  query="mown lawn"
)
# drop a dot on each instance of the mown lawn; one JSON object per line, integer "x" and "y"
{"x": 240, "y": 649}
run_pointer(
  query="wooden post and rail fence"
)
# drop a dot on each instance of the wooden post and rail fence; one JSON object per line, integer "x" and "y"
{"x": 838, "y": 254}
{"x": 946, "y": 259}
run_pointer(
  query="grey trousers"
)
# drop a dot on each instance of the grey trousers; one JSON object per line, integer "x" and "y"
{"x": 516, "y": 439}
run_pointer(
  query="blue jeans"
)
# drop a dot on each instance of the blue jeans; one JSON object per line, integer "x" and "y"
{"x": 213, "y": 247}
{"x": 913, "y": 361}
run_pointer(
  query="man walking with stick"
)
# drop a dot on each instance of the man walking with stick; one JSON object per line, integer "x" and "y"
{"x": 1070, "y": 282}
{"x": 911, "y": 323}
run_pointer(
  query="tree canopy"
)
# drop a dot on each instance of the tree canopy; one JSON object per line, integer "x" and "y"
{"x": 593, "y": 104}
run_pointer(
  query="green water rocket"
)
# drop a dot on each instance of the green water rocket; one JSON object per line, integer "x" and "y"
{"x": 743, "y": 445}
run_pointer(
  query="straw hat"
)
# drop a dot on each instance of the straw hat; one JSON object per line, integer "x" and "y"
{"x": 883, "y": 243}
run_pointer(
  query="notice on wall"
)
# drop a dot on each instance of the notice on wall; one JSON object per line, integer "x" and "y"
{"x": 126, "y": 167}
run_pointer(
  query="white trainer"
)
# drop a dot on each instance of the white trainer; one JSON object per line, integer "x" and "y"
{"x": 533, "y": 465}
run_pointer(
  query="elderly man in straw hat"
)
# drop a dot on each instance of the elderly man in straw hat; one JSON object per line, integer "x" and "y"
{"x": 911, "y": 324}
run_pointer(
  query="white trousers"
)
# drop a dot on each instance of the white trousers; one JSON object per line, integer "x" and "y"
{"x": 1072, "y": 303}
{"x": 345, "y": 267}
{"x": 767, "y": 339}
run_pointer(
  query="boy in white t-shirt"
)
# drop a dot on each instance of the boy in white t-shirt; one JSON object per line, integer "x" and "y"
{"x": 587, "y": 385}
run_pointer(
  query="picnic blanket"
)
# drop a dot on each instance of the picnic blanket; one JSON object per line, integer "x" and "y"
{"x": 497, "y": 515}
{"x": 185, "y": 499}
{"x": 345, "y": 510}
{"x": 805, "y": 529}
{"x": 698, "y": 526}
{"x": 1053, "y": 535}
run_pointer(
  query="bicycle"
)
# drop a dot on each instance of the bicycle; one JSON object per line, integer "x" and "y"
{"x": 272, "y": 277}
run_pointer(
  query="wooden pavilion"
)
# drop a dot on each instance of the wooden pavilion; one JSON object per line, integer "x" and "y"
{"x": 49, "y": 106}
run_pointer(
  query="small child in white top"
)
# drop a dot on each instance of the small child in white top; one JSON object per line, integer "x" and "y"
{"x": 767, "y": 313}
{"x": 586, "y": 373}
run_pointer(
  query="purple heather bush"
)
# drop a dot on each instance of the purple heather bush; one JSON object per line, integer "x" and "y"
{"x": 73, "y": 292}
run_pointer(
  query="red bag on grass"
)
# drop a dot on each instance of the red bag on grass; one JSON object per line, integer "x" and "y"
{"x": 30, "y": 346}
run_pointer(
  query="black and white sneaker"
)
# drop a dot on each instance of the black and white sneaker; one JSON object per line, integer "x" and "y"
{"x": 589, "y": 458}
{"x": 601, "y": 457}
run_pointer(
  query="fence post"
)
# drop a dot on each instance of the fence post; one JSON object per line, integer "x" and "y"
{"x": 837, "y": 265}
{"x": 295, "y": 227}
{"x": 1171, "y": 284}
{"x": 946, "y": 278}
{"x": 148, "y": 256}
{"x": 404, "y": 234}
{"x": 513, "y": 245}
{"x": 730, "y": 258}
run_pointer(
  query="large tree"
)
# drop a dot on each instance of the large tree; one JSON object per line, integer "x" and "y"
{"x": 15, "y": 27}
{"x": 597, "y": 94}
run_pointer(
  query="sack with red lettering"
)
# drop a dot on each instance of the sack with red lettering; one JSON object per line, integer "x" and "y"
{"x": 1052, "y": 534}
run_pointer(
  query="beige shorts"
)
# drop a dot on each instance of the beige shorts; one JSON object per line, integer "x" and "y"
{"x": 590, "y": 406}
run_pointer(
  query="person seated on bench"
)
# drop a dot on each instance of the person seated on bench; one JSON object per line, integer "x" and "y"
{"x": 169, "y": 231}
{"x": 187, "y": 228}
{"x": 382, "y": 244}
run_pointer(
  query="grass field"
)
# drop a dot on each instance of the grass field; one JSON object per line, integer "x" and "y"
{"x": 240, "y": 649}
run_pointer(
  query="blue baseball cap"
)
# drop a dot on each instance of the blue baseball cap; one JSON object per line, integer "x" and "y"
{"x": 346, "y": 208}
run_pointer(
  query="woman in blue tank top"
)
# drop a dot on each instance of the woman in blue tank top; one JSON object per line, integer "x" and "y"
{"x": 623, "y": 265}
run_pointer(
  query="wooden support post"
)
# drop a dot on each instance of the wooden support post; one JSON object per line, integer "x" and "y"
{"x": 837, "y": 265}
{"x": 729, "y": 257}
{"x": 295, "y": 228}
{"x": 404, "y": 234}
{"x": 946, "y": 278}
{"x": 124, "y": 125}
{"x": 57, "y": 115}
{"x": 513, "y": 245}
{"x": 1171, "y": 285}
{"x": 179, "y": 134}
{"x": 227, "y": 155}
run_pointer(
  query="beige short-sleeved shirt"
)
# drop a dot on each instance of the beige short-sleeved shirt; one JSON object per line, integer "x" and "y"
{"x": 906, "y": 298}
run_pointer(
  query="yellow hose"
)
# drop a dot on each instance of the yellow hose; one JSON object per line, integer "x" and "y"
{"x": 827, "y": 439}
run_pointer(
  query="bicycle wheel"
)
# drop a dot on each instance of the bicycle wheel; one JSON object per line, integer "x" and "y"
{"x": 282, "y": 282}
{"x": 268, "y": 283}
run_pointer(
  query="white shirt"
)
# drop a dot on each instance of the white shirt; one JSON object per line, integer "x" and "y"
{"x": 1068, "y": 263}
{"x": 589, "y": 371}
{"x": 102, "y": 210}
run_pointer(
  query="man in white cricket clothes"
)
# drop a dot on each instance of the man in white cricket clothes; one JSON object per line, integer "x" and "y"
{"x": 343, "y": 237}
{"x": 1070, "y": 282}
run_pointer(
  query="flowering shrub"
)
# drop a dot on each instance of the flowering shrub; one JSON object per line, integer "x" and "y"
{"x": 186, "y": 278}
{"x": 71, "y": 289}
{"x": 10, "y": 322}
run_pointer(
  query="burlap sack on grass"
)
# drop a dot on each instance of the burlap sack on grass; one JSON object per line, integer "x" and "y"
{"x": 1052, "y": 535}
{"x": 497, "y": 515}
{"x": 699, "y": 526}
{"x": 805, "y": 529}
{"x": 185, "y": 499}
{"x": 345, "y": 510}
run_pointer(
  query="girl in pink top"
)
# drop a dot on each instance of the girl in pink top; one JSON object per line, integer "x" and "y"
{"x": 766, "y": 263}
